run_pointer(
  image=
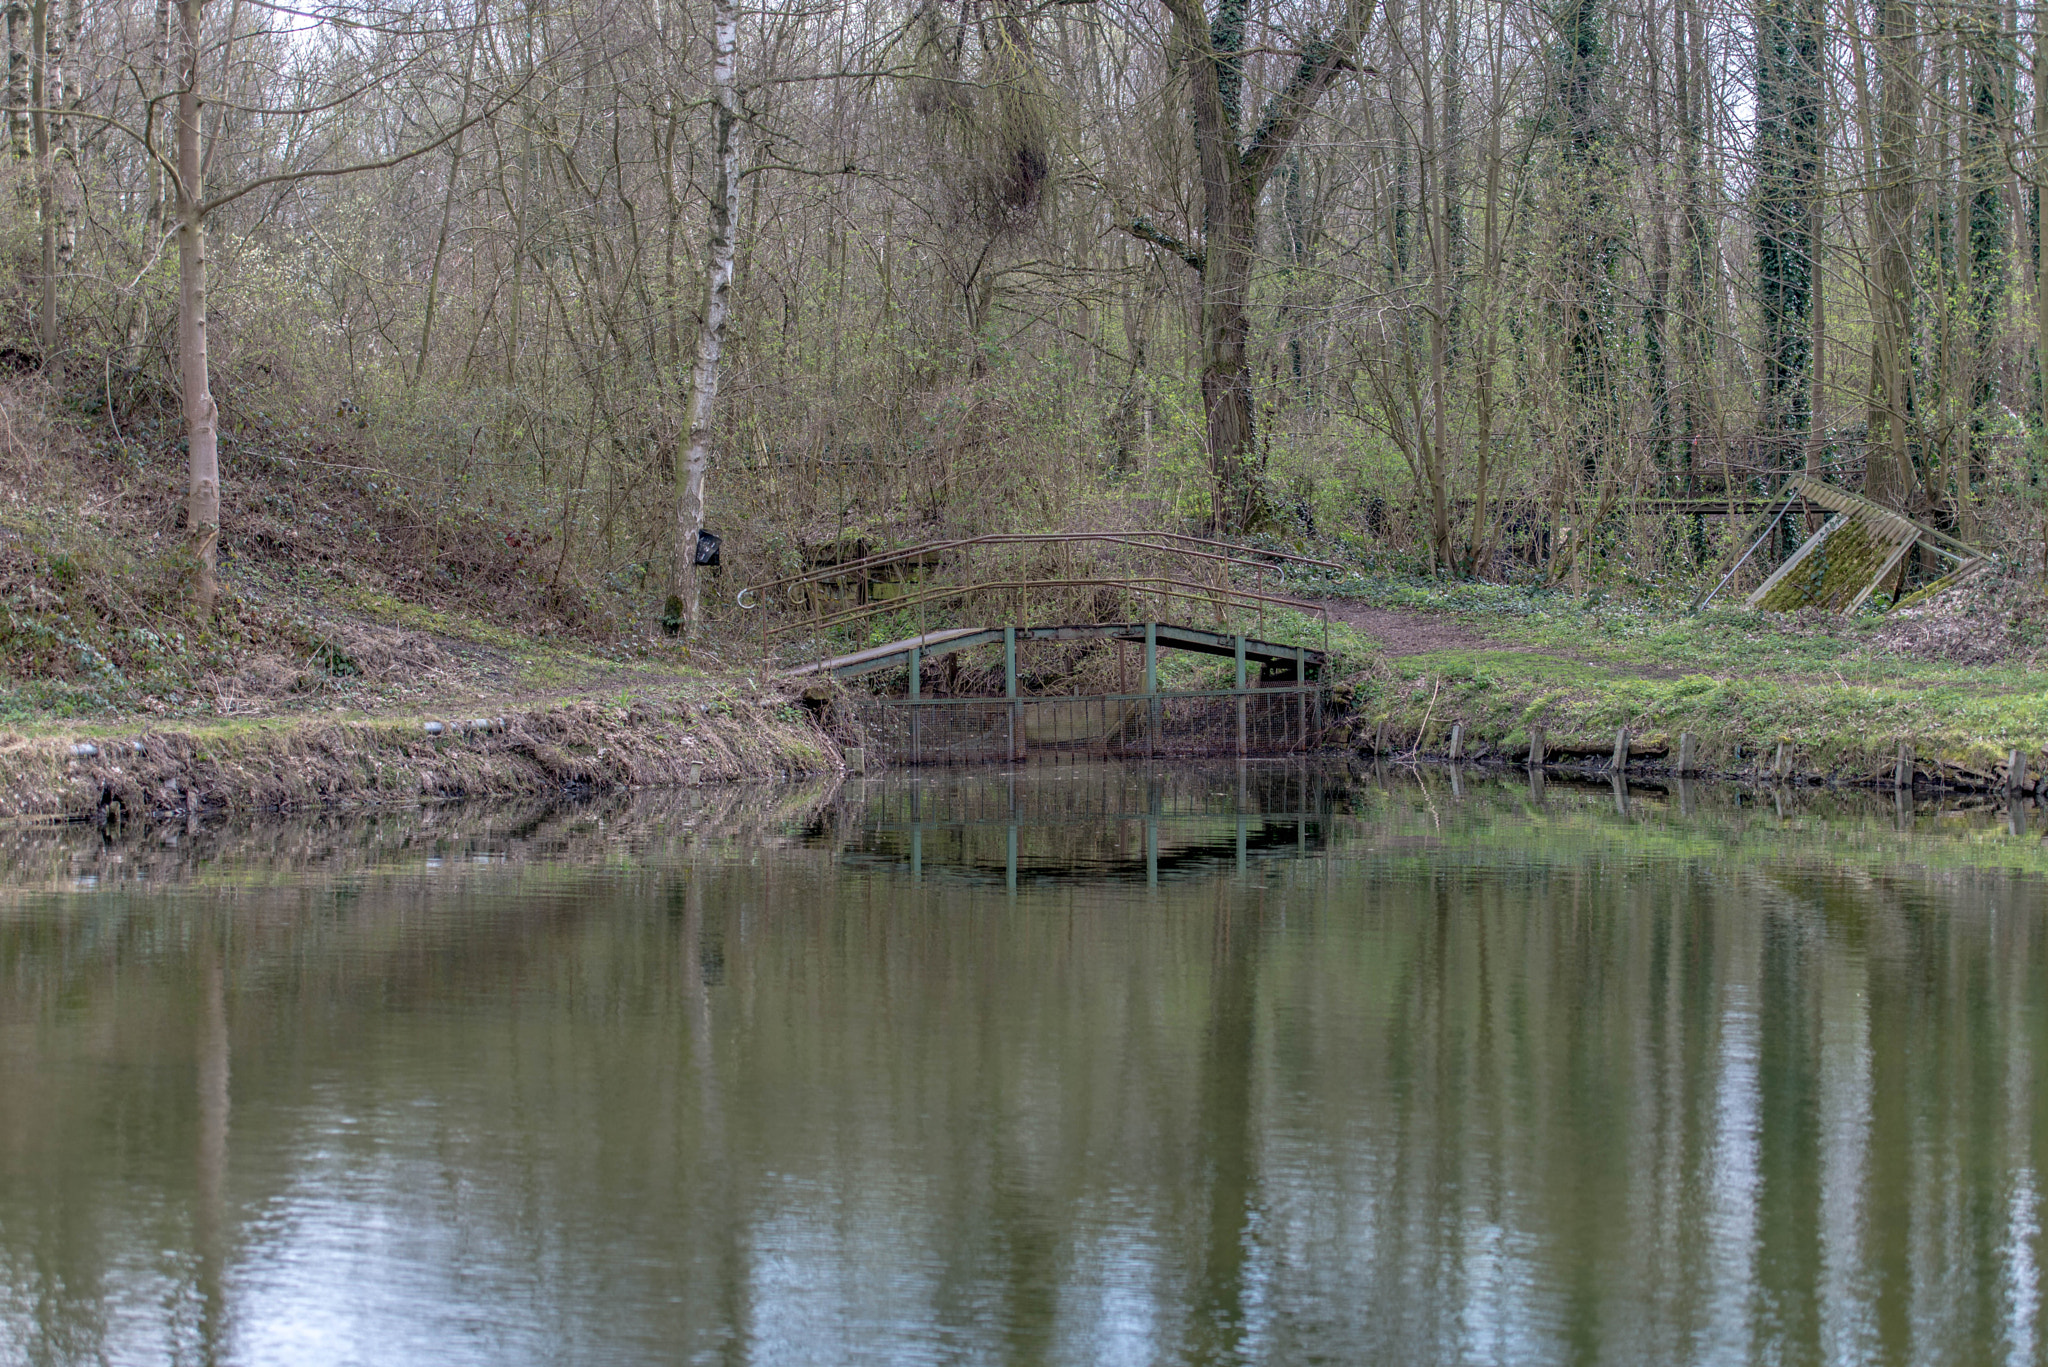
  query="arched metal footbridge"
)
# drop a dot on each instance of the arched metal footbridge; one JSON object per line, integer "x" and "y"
{"x": 1127, "y": 596}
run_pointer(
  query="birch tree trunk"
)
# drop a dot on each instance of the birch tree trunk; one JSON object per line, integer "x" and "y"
{"x": 44, "y": 66}
{"x": 685, "y": 606}
{"x": 202, "y": 419}
{"x": 68, "y": 100}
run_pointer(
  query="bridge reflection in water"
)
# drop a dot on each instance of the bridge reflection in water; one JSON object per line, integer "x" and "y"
{"x": 1095, "y": 822}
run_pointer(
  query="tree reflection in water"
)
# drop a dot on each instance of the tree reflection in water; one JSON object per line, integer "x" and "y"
{"x": 1215, "y": 1064}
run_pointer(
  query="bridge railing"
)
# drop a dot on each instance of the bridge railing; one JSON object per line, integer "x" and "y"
{"x": 1021, "y": 600}
{"x": 1081, "y": 577}
{"x": 1194, "y": 551}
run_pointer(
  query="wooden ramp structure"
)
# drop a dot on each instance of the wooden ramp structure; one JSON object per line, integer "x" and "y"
{"x": 1858, "y": 548}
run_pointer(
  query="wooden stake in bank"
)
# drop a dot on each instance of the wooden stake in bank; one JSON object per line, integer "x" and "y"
{"x": 1621, "y": 750}
{"x": 2016, "y": 772}
{"x": 1902, "y": 775}
{"x": 1536, "y": 748}
{"x": 1457, "y": 741}
{"x": 1687, "y": 745}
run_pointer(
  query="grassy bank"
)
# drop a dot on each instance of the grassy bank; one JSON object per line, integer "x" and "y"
{"x": 679, "y": 735}
{"x": 1961, "y": 679}
{"x": 361, "y": 605}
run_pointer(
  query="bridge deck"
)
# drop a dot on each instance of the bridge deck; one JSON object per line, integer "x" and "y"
{"x": 896, "y": 654}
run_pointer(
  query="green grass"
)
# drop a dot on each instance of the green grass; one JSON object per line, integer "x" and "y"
{"x": 1740, "y": 681}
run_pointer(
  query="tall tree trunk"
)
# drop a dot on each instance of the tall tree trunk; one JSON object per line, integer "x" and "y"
{"x": 1888, "y": 474}
{"x": 1591, "y": 243}
{"x": 1788, "y": 99}
{"x": 68, "y": 103}
{"x": 202, "y": 418}
{"x": 1656, "y": 310}
{"x": 685, "y": 602}
{"x": 19, "y": 23}
{"x": 1485, "y": 349}
{"x": 1438, "y": 199}
{"x": 448, "y": 198}
{"x": 1699, "y": 250}
{"x": 1233, "y": 175}
{"x": 1231, "y": 243}
{"x": 2041, "y": 217}
{"x": 1816, "y": 428}
{"x": 1991, "y": 95}
{"x": 41, "y": 70}
{"x": 137, "y": 329}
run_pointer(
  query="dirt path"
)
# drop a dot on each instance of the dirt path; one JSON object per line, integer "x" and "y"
{"x": 1402, "y": 632}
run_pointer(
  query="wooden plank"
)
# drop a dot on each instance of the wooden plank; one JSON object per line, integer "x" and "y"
{"x": 1891, "y": 563}
{"x": 1797, "y": 558}
{"x": 895, "y": 652}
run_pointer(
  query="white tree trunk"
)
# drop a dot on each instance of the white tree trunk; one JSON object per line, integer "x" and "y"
{"x": 46, "y": 85}
{"x": 202, "y": 425}
{"x": 69, "y": 99}
{"x": 685, "y": 605}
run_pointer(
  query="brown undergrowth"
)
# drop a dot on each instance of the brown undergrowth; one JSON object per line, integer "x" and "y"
{"x": 337, "y": 560}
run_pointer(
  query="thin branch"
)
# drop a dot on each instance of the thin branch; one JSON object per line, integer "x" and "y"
{"x": 380, "y": 165}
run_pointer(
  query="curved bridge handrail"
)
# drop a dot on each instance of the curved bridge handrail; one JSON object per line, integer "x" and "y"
{"x": 1177, "y": 542}
{"x": 1163, "y": 587}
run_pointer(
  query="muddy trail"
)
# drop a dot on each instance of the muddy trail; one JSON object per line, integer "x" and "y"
{"x": 1403, "y": 631}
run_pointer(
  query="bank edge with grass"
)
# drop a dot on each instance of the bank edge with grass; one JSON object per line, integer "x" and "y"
{"x": 1962, "y": 731}
{"x": 116, "y": 773}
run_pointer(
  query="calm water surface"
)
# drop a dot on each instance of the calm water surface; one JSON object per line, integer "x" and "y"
{"x": 1268, "y": 1064}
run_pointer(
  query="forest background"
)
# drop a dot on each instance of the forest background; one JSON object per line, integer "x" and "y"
{"x": 499, "y": 303}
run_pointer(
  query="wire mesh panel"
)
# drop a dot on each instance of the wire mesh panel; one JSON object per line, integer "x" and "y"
{"x": 1254, "y": 721}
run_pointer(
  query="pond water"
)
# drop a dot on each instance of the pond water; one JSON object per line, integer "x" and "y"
{"x": 1092, "y": 1064}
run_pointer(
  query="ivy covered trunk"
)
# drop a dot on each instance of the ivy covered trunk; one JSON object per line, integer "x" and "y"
{"x": 1888, "y": 473}
{"x": 1788, "y": 119}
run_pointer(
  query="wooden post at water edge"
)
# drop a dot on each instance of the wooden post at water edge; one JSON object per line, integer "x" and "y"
{"x": 916, "y": 686}
{"x": 1010, "y": 692}
{"x": 1239, "y": 639}
{"x": 1151, "y": 689}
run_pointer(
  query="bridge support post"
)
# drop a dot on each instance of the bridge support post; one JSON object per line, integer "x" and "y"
{"x": 1300, "y": 698}
{"x": 1151, "y": 689}
{"x": 916, "y": 717}
{"x": 1010, "y": 692}
{"x": 1239, "y": 642}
